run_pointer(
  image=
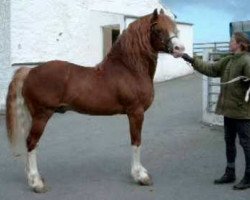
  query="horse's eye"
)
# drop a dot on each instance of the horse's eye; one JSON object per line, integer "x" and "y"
{"x": 157, "y": 31}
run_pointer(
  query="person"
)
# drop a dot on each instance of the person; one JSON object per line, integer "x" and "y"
{"x": 231, "y": 103}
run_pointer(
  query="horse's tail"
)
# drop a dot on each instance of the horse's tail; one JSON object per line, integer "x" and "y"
{"x": 18, "y": 118}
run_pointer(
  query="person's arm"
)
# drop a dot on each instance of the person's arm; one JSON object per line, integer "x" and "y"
{"x": 208, "y": 69}
{"x": 246, "y": 69}
{"x": 246, "y": 73}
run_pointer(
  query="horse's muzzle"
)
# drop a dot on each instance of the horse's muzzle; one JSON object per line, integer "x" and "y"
{"x": 177, "y": 47}
{"x": 169, "y": 48}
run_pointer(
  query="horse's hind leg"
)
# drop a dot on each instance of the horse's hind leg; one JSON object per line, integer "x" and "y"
{"x": 139, "y": 173}
{"x": 34, "y": 179}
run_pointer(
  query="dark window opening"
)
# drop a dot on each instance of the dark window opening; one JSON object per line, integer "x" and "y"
{"x": 115, "y": 35}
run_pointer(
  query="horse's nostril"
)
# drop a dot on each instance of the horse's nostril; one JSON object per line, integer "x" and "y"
{"x": 177, "y": 48}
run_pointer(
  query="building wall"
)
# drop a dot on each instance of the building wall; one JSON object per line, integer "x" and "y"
{"x": 52, "y": 29}
{"x": 59, "y": 29}
{"x": 128, "y": 7}
{"x": 5, "y": 70}
{"x": 4, "y": 33}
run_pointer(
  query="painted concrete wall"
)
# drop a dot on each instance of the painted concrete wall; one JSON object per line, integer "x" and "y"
{"x": 5, "y": 33}
{"x": 47, "y": 30}
{"x": 128, "y": 7}
{"x": 59, "y": 29}
{"x": 5, "y": 70}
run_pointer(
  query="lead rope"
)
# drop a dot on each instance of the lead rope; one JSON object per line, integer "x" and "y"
{"x": 245, "y": 79}
{"x": 247, "y": 95}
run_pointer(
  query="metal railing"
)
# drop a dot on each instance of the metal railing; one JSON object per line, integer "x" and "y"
{"x": 199, "y": 48}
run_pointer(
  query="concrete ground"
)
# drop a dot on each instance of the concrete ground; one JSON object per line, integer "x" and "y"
{"x": 88, "y": 158}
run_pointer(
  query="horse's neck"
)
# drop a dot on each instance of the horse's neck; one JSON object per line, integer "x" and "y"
{"x": 152, "y": 68}
{"x": 145, "y": 63}
{"x": 149, "y": 63}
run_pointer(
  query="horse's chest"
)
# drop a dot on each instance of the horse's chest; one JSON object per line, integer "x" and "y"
{"x": 146, "y": 97}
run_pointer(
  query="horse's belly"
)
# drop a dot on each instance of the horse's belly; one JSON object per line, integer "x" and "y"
{"x": 97, "y": 106}
{"x": 98, "y": 110}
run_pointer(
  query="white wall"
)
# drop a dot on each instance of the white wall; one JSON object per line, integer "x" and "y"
{"x": 72, "y": 32}
{"x": 46, "y": 30}
{"x": 59, "y": 29}
{"x": 5, "y": 70}
{"x": 4, "y": 33}
{"x": 127, "y": 7}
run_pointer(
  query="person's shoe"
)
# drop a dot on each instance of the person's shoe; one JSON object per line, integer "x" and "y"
{"x": 228, "y": 177}
{"x": 244, "y": 183}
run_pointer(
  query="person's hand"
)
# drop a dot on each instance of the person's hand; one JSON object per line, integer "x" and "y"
{"x": 187, "y": 58}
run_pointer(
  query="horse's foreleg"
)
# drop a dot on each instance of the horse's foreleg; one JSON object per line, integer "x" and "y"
{"x": 139, "y": 173}
{"x": 34, "y": 179}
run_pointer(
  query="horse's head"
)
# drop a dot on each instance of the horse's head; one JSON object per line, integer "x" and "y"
{"x": 164, "y": 34}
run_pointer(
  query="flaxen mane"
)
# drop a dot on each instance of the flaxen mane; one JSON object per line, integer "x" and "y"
{"x": 134, "y": 45}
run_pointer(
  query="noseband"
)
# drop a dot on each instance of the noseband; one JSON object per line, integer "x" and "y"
{"x": 169, "y": 47}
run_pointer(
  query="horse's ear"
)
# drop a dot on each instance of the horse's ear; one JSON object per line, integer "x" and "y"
{"x": 155, "y": 15}
{"x": 162, "y": 11}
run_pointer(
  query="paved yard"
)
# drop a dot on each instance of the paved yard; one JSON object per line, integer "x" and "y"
{"x": 88, "y": 158}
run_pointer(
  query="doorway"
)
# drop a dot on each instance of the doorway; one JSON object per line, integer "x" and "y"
{"x": 110, "y": 35}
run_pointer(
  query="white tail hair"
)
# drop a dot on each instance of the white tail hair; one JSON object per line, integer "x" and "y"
{"x": 18, "y": 118}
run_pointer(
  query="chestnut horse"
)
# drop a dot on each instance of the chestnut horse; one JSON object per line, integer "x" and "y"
{"x": 121, "y": 84}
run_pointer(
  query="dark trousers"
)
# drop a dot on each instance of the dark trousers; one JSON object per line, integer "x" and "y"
{"x": 242, "y": 128}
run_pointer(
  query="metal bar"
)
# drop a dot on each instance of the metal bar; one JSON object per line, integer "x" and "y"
{"x": 27, "y": 63}
{"x": 213, "y": 93}
{"x": 205, "y": 43}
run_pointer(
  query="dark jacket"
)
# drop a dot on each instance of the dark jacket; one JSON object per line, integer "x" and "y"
{"x": 231, "y": 102}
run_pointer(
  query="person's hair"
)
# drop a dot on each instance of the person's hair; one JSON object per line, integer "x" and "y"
{"x": 243, "y": 40}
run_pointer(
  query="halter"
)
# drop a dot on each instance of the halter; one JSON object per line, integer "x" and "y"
{"x": 170, "y": 38}
{"x": 169, "y": 47}
{"x": 166, "y": 42}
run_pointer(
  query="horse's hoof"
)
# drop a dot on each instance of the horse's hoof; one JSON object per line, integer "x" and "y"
{"x": 147, "y": 181}
{"x": 40, "y": 190}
